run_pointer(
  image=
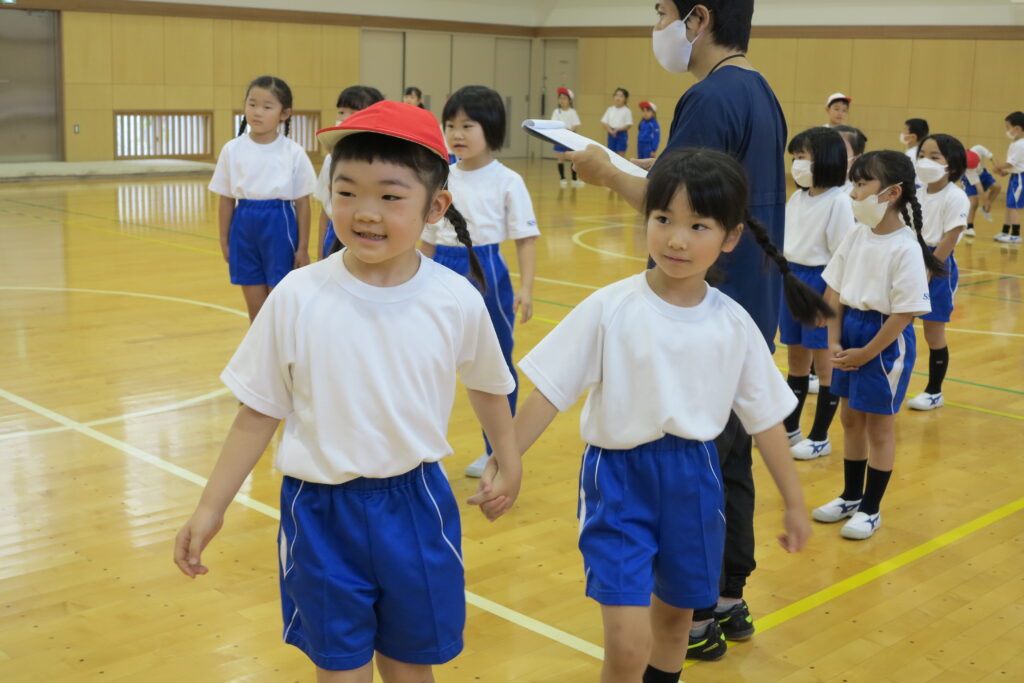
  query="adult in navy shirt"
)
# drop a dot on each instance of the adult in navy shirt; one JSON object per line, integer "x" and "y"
{"x": 731, "y": 108}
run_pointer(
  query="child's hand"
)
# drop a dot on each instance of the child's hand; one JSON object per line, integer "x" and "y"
{"x": 798, "y": 530}
{"x": 193, "y": 538}
{"x": 497, "y": 491}
{"x": 850, "y": 359}
{"x": 225, "y": 250}
{"x": 301, "y": 258}
{"x": 523, "y": 300}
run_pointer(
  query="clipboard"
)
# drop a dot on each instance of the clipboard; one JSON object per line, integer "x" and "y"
{"x": 556, "y": 132}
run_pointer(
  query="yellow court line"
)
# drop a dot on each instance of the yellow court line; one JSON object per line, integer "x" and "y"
{"x": 984, "y": 410}
{"x": 549, "y": 321}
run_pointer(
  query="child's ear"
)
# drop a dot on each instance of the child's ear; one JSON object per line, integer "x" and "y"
{"x": 732, "y": 239}
{"x": 439, "y": 206}
{"x": 286, "y": 114}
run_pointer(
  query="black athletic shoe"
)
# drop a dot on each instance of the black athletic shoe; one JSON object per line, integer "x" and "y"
{"x": 736, "y": 622}
{"x": 709, "y": 646}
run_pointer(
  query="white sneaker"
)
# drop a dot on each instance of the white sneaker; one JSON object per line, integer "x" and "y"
{"x": 987, "y": 214}
{"x": 1013, "y": 239}
{"x": 809, "y": 450}
{"x": 475, "y": 469}
{"x": 926, "y": 401}
{"x": 563, "y": 182}
{"x": 1002, "y": 237}
{"x": 578, "y": 183}
{"x": 813, "y": 384}
{"x": 795, "y": 437}
{"x": 861, "y": 526}
{"x": 969, "y": 232}
{"x": 835, "y": 510}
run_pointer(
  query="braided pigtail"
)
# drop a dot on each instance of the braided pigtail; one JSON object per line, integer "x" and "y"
{"x": 934, "y": 265}
{"x": 288, "y": 126}
{"x": 458, "y": 222}
{"x": 806, "y": 305}
{"x": 241, "y": 126}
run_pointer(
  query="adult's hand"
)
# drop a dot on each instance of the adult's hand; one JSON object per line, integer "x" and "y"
{"x": 593, "y": 166}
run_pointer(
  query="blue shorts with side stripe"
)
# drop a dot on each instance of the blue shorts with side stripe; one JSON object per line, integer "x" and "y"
{"x": 262, "y": 241}
{"x": 652, "y": 522}
{"x": 791, "y": 330}
{"x": 372, "y": 565}
{"x": 984, "y": 177}
{"x": 880, "y": 385}
{"x": 941, "y": 289}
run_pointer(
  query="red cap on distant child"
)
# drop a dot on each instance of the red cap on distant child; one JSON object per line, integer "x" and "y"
{"x": 397, "y": 119}
{"x": 649, "y": 105}
{"x": 972, "y": 159}
{"x": 567, "y": 92}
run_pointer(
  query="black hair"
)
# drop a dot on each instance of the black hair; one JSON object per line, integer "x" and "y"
{"x": 855, "y": 136}
{"x": 280, "y": 90}
{"x": 954, "y": 152}
{"x": 918, "y": 127}
{"x": 625, "y": 93}
{"x": 567, "y": 96}
{"x": 358, "y": 97}
{"x": 716, "y": 186}
{"x": 430, "y": 169}
{"x": 731, "y": 20}
{"x": 895, "y": 168}
{"x": 413, "y": 90}
{"x": 1015, "y": 119}
{"x": 483, "y": 105}
{"x": 828, "y": 155}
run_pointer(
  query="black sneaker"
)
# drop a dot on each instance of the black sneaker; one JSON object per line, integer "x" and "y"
{"x": 709, "y": 646}
{"x": 736, "y": 622}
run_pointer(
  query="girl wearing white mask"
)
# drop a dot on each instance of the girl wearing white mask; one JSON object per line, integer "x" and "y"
{"x": 941, "y": 162}
{"x": 877, "y": 282}
{"x": 818, "y": 216}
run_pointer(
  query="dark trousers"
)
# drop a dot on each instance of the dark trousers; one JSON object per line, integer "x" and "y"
{"x": 735, "y": 458}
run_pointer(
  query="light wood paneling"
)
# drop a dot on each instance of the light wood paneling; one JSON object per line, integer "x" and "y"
{"x": 254, "y": 51}
{"x": 188, "y": 51}
{"x": 299, "y": 47}
{"x": 137, "y": 45}
{"x": 941, "y": 73}
{"x": 85, "y": 40}
{"x": 472, "y": 61}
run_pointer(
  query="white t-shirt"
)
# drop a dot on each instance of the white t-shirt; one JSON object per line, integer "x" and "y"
{"x": 653, "y": 368}
{"x": 1015, "y": 156}
{"x": 983, "y": 153}
{"x": 495, "y": 203}
{"x": 364, "y": 376}
{"x": 884, "y": 273}
{"x": 943, "y": 211}
{"x": 323, "y": 186}
{"x": 912, "y": 153}
{"x": 250, "y": 170}
{"x": 567, "y": 116}
{"x": 816, "y": 225}
{"x": 617, "y": 117}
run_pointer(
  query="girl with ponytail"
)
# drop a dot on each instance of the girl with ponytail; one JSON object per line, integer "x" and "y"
{"x": 666, "y": 358}
{"x": 359, "y": 354}
{"x": 877, "y": 282}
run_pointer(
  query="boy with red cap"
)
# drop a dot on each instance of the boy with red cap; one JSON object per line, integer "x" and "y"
{"x": 649, "y": 132}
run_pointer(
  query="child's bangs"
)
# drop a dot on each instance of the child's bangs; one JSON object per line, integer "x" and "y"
{"x": 713, "y": 182}
{"x": 375, "y": 147}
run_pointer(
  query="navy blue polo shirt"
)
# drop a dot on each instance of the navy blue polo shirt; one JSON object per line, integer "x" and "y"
{"x": 734, "y": 110}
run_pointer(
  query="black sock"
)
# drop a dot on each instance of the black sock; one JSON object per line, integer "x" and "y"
{"x": 824, "y": 412}
{"x": 1006, "y": 228}
{"x": 877, "y": 481}
{"x": 561, "y": 171}
{"x": 653, "y": 675}
{"x": 938, "y": 362}
{"x": 970, "y": 226}
{"x": 573, "y": 169}
{"x": 1015, "y": 230}
{"x": 703, "y": 614}
{"x": 799, "y": 387}
{"x": 853, "y": 473}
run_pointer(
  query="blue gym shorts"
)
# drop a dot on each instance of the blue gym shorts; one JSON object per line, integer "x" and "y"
{"x": 619, "y": 141}
{"x": 880, "y": 385}
{"x": 791, "y": 330}
{"x": 986, "y": 180}
{"x": 1015, "y": 192}
{"x": 651, "y": 521}
{"x": 262, "y": 242}
{"x": 372, "y": 565}
{"x": 941, "y": 289}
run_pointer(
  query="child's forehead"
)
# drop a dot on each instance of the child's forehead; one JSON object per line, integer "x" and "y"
{"x": 258, "y": 93}
{"x": 374, "y": 171}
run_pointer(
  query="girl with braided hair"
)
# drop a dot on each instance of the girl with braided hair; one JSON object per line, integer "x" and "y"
{"x": 877, "y": 282}
{"x": 666, "y": 358}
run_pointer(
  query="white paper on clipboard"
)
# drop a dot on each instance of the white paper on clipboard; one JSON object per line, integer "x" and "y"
{"x": 556, "y": 132}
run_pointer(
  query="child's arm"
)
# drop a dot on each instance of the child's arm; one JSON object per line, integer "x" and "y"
{"x": 532, "y": 418}
{"x": 225, "y": 210}
{"x": 835, "y": 325}
{"x": 774, "y": 447}
{"x": 248, "y": 438}
{"x": 302, "y": 214}
{"x": 851, "y": 359}
{"x": 526, "y": 251}
{"x": 498, "y": 486}
{"x": 321, "y": 234}
{"x": 948, "y": 241}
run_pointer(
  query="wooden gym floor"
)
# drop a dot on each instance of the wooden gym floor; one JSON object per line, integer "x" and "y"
{"x": 116, "y": 318}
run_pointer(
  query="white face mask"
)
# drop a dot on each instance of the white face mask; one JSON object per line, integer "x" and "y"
{"x": 671, "y": 47}
{"x": 802, "y": 172}
{"x": 870, "y": 211}
{"x": 929, "y": 171}
{"x": 904, "y": 139}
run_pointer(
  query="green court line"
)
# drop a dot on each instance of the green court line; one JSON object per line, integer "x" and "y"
{"x": 982, "y": 282}
{"x": 554, "y": 303}
{"x": 107, "y": 218}
{"x": 996, "y": 298}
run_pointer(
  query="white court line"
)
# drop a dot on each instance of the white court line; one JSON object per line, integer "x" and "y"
{"x": 216, "y": 307}
{"x": 559, "y": 282}
{"x": 989, "y": 272}
{"x": 579, "y": 242}
{"x": 966, "y": 331}
{"x": 127, "y": 416}
{"x": 540, "y": 628}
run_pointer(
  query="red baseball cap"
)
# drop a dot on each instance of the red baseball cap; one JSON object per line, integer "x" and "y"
{"x": 567, "y": 92}
{"x": 973, "y": 159}
{"x": 649, "y": 105}
{"x": 397, "y": 119}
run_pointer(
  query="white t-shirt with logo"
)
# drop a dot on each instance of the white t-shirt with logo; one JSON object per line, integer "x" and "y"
{"x": 364, "y": 376}
{"x": 816, "y": 225}
{"x": 943, "y": 211}
{"x": 250, "y": 170}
